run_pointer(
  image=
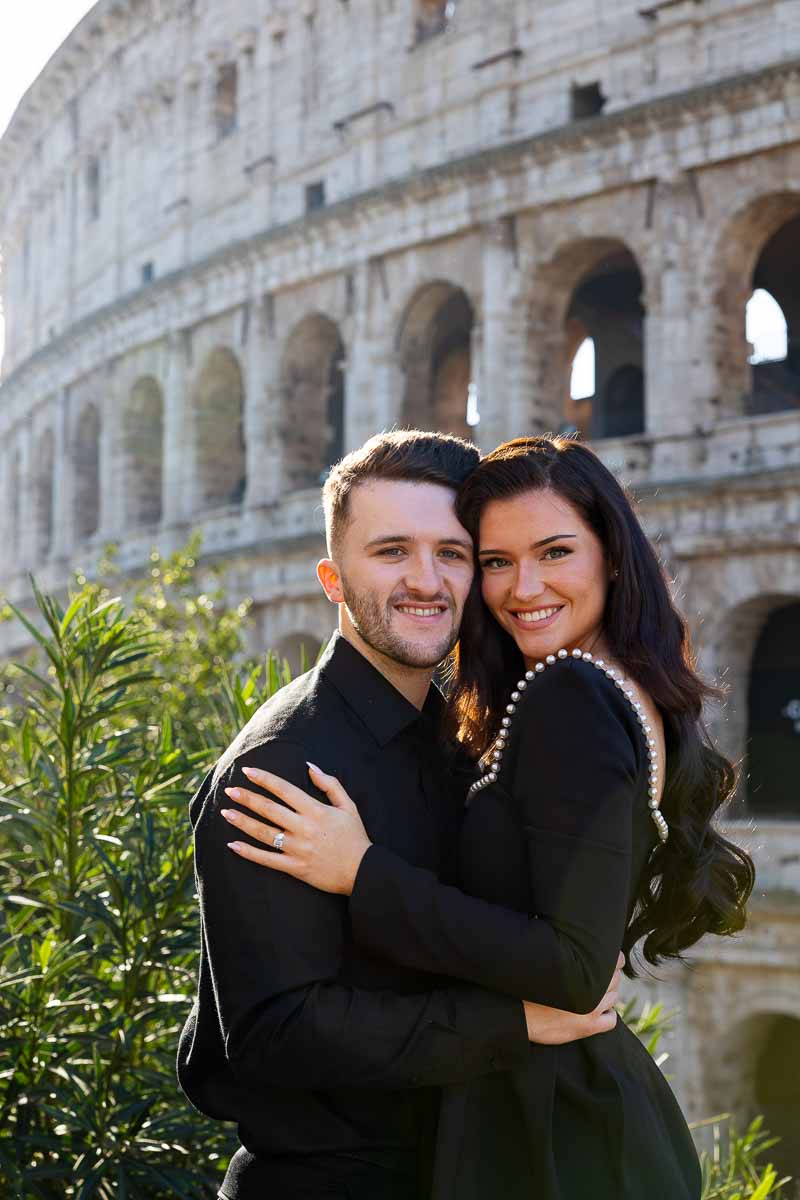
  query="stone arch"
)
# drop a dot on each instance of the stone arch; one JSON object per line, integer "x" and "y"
{"x": 43, "y": 495}
{"x": 735, "y": 650}
{"x": 142, "y": 452}
{"x": 295, "y": 647}
{"x": 86, "y": 464}
{"x": 313, "y": 400}
{"x": 593, "y": 288}
{"x": 435, "y": 350}
{"x": 773, "y": 715}
{"x": 218, "y": 406}
{"x": 754, "y": 1069}
{"x": 758, "y": 248}
{"x": 15, "y": 509}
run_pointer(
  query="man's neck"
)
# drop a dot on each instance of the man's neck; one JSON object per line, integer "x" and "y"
{"x": 412, "y": 682}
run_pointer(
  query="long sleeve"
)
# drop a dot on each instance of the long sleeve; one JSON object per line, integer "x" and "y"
{"x": 274, "y": 949}
{"x": 572, "y": 773}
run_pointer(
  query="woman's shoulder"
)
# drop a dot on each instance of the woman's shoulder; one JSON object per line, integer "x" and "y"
{"x": 570, "y": 691}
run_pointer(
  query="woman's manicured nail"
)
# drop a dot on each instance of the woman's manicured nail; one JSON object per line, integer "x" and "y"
{"x": 234, "y": 845}
{"x": 229, "y": 814}
{"x": 232, "y": 792}
{"x": 313, "y": 767}
{"x": 250, "y": 772}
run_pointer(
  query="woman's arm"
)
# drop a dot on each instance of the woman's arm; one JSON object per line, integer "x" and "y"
{"x": 572, "y": 769}
{"x": 574, "y": 775}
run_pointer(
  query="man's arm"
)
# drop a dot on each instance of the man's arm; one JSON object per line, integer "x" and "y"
{"x": 274, "y": 948}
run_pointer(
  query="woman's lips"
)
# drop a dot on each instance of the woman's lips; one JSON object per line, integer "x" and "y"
{"x": 529, "y": 626}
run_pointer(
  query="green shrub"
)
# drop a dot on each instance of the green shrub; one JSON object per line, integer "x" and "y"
{"x": 98, "y": 935}
{"x": 107, "y": 733}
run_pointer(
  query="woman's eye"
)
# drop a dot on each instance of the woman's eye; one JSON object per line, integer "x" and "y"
{"x": 556, "y": 552}
{"x": 492, "y": 564}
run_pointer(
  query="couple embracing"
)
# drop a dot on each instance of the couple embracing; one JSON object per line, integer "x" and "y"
{"x": 414, "y": 909}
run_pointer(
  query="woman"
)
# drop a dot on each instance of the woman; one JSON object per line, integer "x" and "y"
{"x": 574, "y": 690}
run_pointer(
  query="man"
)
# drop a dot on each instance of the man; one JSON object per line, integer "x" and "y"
{"x": 327, "y": 1057}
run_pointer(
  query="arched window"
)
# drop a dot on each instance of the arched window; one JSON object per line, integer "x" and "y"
{"x": 86, "y": 462}
{"x": 773, "y": 741}
{"x": 607, "y": 319}
{"x": 226, "y": 99}
{"x": 776, "y": 1093}
{"x": 44, "y": 463}
{"x": 218, "y": 403}
{"x": 432, "y": 17}
{"x": 435, "y": 353}
{"x": 142, "y": 447}
{"x": 772, "y": 319}
{"x": 313, "y": 395}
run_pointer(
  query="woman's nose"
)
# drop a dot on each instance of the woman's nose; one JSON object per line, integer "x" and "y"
{"x": 528, "y": 583}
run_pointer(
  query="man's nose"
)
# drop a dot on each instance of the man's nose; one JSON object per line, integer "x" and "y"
{"x": 424, "y": 575}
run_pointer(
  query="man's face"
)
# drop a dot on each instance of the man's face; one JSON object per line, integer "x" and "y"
{"x": 405, "y": 568}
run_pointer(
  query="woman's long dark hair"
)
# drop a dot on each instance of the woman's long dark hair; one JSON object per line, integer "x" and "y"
{"x": 697, "y": 882}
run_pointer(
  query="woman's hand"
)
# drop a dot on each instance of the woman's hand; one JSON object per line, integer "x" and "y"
{"x": 552, "y": 1027}
{"x": 322, "y": 844}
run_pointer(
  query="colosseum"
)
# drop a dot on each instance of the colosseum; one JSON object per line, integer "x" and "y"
{"x": 238, "y": 239}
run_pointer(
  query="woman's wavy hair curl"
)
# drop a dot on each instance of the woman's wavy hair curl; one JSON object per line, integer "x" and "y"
{"x": 697, "y": 882}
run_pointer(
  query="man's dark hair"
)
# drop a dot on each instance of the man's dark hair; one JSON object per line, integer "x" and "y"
{"x": 411, "y": 455}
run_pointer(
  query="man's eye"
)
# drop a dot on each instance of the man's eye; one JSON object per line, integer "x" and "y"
{"x": 457, "y": 554}
{"x": 390, "y": 551}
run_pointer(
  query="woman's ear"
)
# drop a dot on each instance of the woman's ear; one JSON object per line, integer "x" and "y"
{"x": 329, "y": 577}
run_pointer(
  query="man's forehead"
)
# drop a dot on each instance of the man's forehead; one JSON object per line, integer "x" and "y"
{"x": 403, "y": 506}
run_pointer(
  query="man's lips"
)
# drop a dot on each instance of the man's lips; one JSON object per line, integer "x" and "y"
{"x": 424, "y": 612}
{"x": 535, "y": 618}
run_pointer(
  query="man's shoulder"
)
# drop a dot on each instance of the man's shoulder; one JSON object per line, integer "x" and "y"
{"x": 291, "y": 716}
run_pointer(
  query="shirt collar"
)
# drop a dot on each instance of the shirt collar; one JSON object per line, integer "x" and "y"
{"x": 371, "y": 696}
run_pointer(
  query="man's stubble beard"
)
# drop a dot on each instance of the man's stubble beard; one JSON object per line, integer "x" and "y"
{"x": 373, "y": 623}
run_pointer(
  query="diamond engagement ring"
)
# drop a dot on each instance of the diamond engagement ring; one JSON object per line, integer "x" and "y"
{"x": 278, "y": 841}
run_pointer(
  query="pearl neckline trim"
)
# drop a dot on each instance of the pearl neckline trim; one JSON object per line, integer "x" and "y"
{"x": 490, "y": 765}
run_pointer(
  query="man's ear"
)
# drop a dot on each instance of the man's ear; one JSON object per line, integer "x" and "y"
{"x": 329, "y": 577}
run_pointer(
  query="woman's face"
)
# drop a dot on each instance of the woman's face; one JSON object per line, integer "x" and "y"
{"x": 544, "y": 574}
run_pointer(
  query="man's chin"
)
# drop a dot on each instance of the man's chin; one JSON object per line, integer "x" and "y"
{"x": 421, "y": 654}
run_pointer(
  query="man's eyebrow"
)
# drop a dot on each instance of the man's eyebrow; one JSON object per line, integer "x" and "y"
{"x": 405, "y": 538}
{"x": 556, "y": 537}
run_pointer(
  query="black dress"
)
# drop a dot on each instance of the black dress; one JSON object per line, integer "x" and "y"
{"x": 550, "y": 855}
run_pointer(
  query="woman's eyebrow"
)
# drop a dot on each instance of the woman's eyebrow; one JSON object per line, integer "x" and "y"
{"x": 556, "y": 537}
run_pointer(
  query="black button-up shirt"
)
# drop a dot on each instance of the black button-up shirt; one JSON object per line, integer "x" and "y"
{"x": 314, "y": 1046}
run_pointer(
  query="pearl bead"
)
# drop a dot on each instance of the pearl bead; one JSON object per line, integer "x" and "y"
{"x": 551, "y": 658}
{"x": 600, "y": 663}
{"x": 505, "y": 722}
{"x": 515, "y": 696}
{"x": 492, "y": 776}
{"x": 587, "y": 657}
{"x": 577, "y": 654}
{"x": 511, "y": 708}
{"x": 540, "y": 667}
{"x": 562, "y": 654}
{"x": 523, "y": 683}
{"x": 529, "y": 675}
{"x": 653, "y": 803}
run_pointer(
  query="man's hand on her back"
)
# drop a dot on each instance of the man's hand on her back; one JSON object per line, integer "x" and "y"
{"x": 553, "y": 1027}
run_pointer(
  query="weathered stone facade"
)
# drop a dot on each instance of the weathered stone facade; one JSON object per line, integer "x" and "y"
{"x": 240, "y": 238}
